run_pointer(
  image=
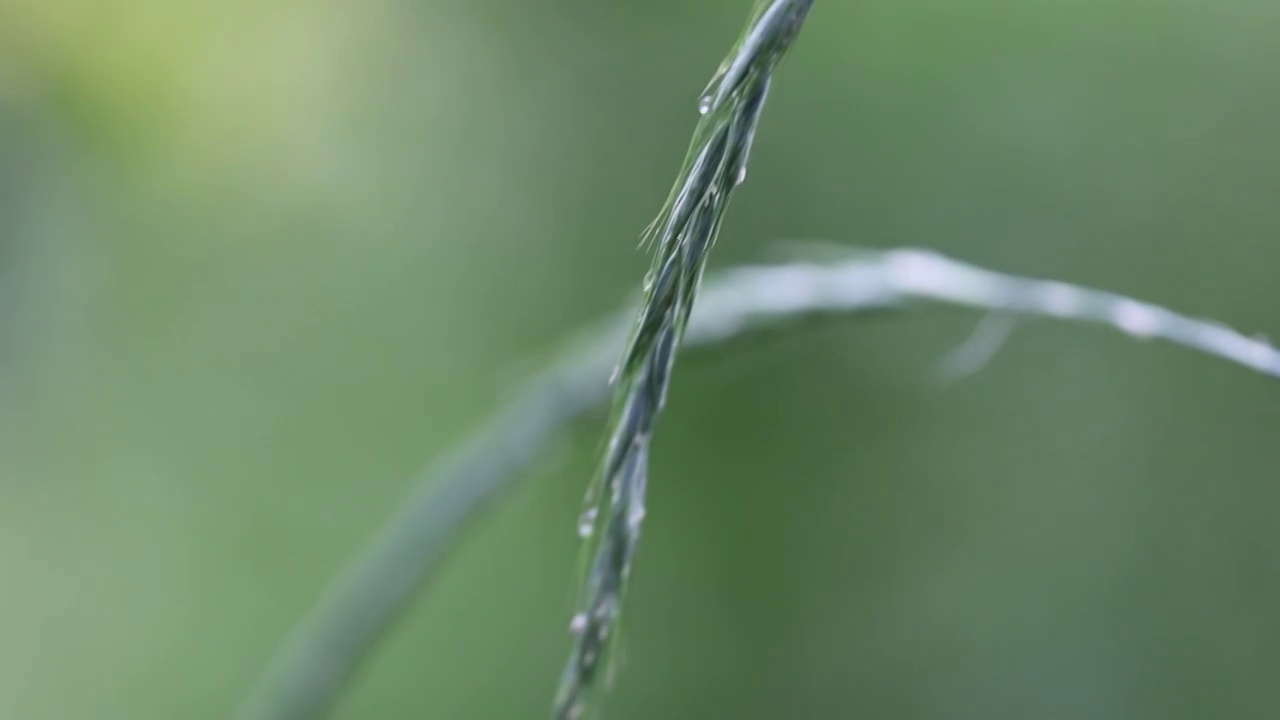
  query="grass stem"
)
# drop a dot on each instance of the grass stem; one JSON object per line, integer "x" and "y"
{"x": 361, "y": 604}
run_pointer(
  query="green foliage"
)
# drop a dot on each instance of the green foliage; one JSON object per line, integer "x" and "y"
{"x": 262, "y": 260}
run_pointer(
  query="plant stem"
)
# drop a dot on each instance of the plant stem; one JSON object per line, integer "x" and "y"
{"x": 684, "y": 232}
{"x": 358, "y": 608}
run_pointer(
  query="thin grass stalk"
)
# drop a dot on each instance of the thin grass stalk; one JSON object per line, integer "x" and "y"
{"x": 360, "y": 605}
{"x": 684, "y": 232}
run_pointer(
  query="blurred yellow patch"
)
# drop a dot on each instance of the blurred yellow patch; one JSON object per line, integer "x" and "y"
{"x": 194, "y": 89}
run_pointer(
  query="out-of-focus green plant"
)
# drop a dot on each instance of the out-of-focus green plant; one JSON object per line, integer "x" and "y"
{"x": 358, "y": 608}
{"x": 360, "y": 605}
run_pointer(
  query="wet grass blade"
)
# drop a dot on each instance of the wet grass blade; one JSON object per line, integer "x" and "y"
{"x": 682, "y": 234}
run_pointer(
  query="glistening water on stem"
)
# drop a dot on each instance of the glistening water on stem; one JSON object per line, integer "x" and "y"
{"x": 683, "y": 233}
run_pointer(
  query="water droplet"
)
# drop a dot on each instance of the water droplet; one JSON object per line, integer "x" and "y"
{"x": 575, "y": 711}
{"x": 1136, "y": 319}
{"x": 587, "y": 522}
{"x": 704, "y": 103}
{"x": 578, "y": 624}
{"x": 603, "y": 610}
{"x": 635, "y": 517}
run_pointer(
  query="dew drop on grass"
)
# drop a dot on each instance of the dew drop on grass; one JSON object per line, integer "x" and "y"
{"x": 587, "y": 522}
{"x": 578, "y": 624}
{"x": 704, "y": 103}
{"x": 636, "y": 516}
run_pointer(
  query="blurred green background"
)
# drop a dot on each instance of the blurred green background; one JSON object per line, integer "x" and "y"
{"x": 259, "y": 261}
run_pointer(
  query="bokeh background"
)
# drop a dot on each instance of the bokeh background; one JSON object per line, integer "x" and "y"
{"x": 260, "y": 261}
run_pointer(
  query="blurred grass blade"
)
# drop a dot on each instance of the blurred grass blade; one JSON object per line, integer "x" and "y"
{"x": 305, "y": 680}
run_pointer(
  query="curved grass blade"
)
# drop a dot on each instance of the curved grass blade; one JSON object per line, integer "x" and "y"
{"x": 360, "y": 606}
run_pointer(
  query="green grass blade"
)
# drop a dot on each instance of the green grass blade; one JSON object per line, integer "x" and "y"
{"x": 683, "y": 234}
